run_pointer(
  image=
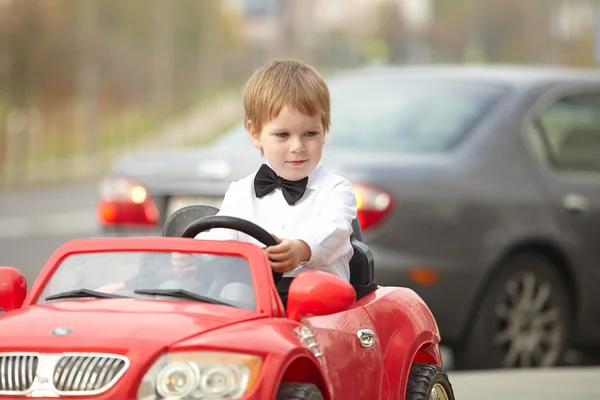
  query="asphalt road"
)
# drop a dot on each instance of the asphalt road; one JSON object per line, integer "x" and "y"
{"x": 35, "y": 222}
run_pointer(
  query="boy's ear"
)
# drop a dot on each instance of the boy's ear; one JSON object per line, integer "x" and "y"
{"x": 254, "y": 136}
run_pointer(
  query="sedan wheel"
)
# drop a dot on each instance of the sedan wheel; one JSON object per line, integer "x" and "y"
{"x": 529, "y": 330}
{"x": 523, "y": 319}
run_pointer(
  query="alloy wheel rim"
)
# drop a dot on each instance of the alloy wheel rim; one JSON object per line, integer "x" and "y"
{"x": 529, "y": 323}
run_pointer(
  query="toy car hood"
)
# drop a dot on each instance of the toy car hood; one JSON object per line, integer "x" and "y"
{"x": 112, "y": 325}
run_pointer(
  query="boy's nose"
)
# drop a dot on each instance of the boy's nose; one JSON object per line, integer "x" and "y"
{"x": 297, "y": 146}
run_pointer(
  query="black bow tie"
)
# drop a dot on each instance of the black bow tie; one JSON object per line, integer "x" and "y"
{"x": 266, "y": 180}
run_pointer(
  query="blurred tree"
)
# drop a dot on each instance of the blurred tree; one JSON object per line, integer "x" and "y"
{"x": 514, "y": 31}
{"x": 90, "y": 67}
{"x": 449, "y": 32}
{"x": 208, "y": 40}
{"x": 217, "y": 35}
{"x": 377, "y": 50}
{"x": 87, "y": 77}
{"x": 4, "y": 78}
{"x": 336, "y": 48}
{"x": 125, "y": 51}
{"x": 389, "y": 37}
{"x": 45, "y": 41}
{"x": 163, "y": 56}
{"x": 287, "y": 40}
{"x": 33, "y": 36}
{"x": 505, "y": 31}
{"x": 580, "y": 53}
{"x": 490, "y": 30}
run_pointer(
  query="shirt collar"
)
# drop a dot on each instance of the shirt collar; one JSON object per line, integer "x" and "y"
{"x": 315, "y": 177}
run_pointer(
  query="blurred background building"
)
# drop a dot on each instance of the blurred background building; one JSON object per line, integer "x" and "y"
{"x": 82, "y": 82}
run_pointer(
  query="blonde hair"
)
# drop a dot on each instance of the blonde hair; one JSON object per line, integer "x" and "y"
{"x": 283, "y": 83}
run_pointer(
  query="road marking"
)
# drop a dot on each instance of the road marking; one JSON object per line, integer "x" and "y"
{"x": 81, "y": 222}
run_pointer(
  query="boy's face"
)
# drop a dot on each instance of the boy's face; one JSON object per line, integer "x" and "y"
{"x": 292, "y": 143}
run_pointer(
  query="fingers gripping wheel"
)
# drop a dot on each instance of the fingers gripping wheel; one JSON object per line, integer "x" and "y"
{"x": 236, "y": 224}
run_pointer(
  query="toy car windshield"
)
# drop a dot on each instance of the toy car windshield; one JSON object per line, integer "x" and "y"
{"x": 218, "y": 279}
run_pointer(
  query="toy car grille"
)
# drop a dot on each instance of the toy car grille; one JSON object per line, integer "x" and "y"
{"x": 17, "y": 372}
{"x": 88, "y": 373}
{"x": 66, "y": 374}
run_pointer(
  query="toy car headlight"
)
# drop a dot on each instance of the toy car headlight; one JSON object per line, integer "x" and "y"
{"x": 200, "y": 375}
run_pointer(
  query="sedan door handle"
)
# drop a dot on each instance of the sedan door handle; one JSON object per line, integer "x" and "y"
{"x": 576, "y": 203}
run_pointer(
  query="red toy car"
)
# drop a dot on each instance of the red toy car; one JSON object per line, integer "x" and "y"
{"x": 220, "y": 332}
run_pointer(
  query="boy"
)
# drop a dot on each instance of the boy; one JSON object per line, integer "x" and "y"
{"x": 306, "y": 207}
{"x": 292, "y": 195}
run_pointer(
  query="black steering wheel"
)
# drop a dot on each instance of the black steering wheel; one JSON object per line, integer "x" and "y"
{"x": 237, "y": 224}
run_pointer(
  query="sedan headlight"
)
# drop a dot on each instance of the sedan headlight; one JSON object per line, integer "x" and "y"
{"x": 200, "y": 375}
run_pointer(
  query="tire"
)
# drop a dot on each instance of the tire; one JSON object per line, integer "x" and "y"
{"x": 508, "y": 329}
{"x": 428, "y": 382}
{"x": 298, "y": 391}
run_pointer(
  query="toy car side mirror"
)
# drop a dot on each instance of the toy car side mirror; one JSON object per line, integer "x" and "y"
{"x": 314, "y": 293}
{"x": 13, "y": 288}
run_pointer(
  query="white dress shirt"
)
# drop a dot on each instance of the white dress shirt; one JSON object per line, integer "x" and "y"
{"x": 322, "y": 218}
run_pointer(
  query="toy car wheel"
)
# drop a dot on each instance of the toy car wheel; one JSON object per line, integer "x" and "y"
{"x": 298, "y": 391}
{"x": 428, "y": 382}
{"x": 523, "y": 319}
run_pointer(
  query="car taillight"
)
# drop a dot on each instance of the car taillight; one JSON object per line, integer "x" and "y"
{"x": 125, "y": 202}
{"x": 373, "y": 204}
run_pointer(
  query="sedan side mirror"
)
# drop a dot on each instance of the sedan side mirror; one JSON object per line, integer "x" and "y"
{"x": 13, "y": 288}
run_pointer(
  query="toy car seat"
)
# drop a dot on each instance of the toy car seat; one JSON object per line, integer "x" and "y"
{"x": 362, "y": 265}
{"x": 180, "y": 219}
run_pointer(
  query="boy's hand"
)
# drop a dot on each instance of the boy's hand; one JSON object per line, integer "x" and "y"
{"x": 287, "y": 254}
{"x": 183, "y": 264}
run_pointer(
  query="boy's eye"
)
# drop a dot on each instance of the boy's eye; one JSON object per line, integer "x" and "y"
{"x": 311, "y": 134}
{"x": 282, "y": 134}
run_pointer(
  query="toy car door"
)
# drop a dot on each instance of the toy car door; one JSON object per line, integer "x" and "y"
{"x": 347, "y": 346}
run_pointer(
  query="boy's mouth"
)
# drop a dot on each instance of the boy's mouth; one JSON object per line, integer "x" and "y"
{"x": 297, "y": 163}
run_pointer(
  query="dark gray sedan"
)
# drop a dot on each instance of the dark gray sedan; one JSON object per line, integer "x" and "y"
{"x": 479, "y": 187}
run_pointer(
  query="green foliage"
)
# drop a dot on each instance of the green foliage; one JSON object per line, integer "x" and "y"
{"x": 46, "y": 43}
{"x": 502, "y": 31}
{"x": 126, "y": 45}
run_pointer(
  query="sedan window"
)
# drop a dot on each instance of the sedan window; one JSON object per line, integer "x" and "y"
{"x": 407, "y": 116}
{"x": 571, "y": 127}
